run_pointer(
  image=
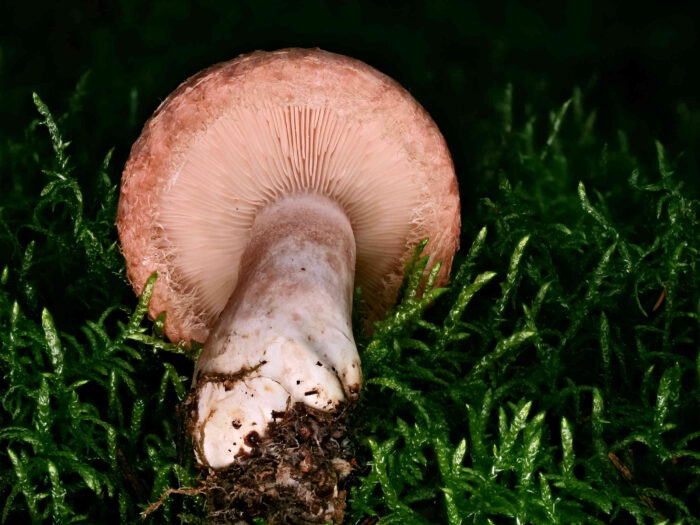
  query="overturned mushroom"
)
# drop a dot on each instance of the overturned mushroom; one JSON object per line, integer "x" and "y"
{"x": 262, "y": 191}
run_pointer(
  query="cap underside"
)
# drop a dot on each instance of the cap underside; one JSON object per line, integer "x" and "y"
{"x": 254, "y": 156}
{"x": 245, "y": 134}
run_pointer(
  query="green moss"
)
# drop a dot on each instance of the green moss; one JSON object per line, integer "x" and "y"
{"x": 556, "y": 380}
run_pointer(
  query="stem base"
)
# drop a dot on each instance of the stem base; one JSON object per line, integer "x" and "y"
{"x": 295, "y": 474}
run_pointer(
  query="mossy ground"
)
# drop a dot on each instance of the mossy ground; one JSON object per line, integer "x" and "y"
{"x": 556, "y": 380}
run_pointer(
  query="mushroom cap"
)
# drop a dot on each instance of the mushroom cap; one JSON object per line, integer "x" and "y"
{"x": 245, "y": 133}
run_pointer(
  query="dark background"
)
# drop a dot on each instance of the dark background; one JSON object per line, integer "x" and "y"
{"x": 637, "y": 64}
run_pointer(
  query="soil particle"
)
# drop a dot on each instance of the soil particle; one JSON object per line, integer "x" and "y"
{"x": 252, "y": 439}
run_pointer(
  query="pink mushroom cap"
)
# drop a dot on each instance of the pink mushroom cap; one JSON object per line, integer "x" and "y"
{"x": 242, "y": 134}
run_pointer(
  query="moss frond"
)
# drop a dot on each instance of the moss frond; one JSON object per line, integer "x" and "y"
{"x": 555, "y": 380}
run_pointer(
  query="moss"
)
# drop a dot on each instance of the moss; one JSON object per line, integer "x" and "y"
{"x": 556, "y": 380}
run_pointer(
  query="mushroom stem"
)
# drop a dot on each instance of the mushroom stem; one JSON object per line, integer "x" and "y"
{"x": 285, "y": 336}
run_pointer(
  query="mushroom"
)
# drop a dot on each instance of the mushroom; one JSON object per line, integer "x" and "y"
{"x": 263, "y": 190}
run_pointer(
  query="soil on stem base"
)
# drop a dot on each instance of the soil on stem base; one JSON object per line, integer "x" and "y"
{"x": 296, "y": 473}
